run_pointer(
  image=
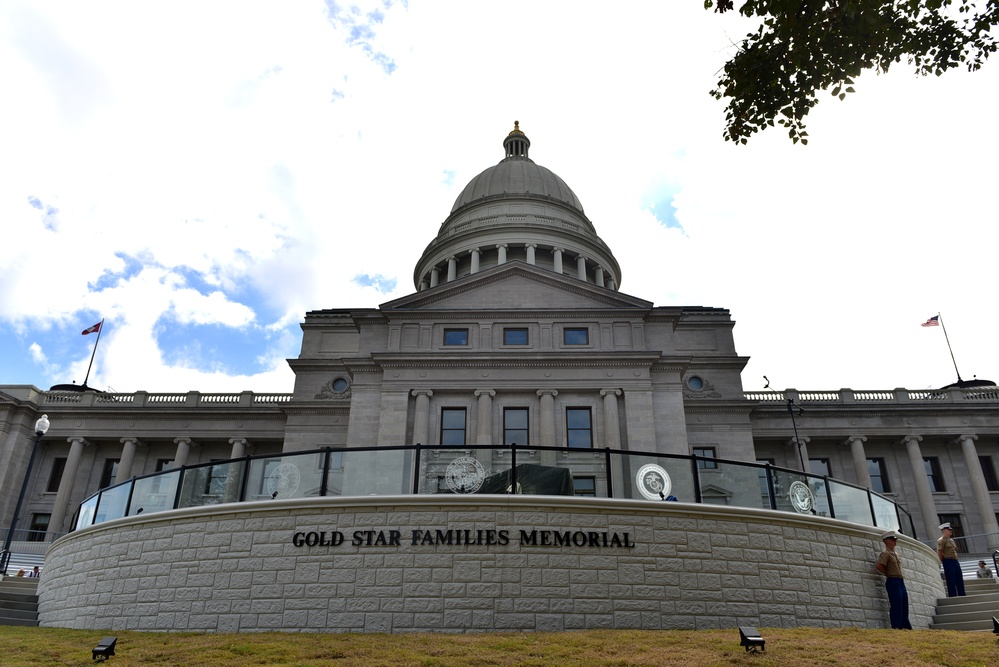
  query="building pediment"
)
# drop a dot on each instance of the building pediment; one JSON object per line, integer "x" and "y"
{"x": 520, "y": 286}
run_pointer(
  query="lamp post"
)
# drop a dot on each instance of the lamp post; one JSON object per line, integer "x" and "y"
{"x": 791, "y": 410}
{"x": 41, "y": 427}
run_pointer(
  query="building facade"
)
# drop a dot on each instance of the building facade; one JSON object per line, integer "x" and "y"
{"x": 517, "y": 332}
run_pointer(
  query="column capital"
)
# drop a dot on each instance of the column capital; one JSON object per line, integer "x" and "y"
{"x": 530, "y": 245}
{"x": 422, "y": 392}
{"x": 967, "y": 436}
{"x": 133, "y": 440}
{"x": 474, "y": 250}
{"x": 485, "y": 392}
{"x": 545, "y": 392}
{"x": 502, "y": 245}
{"x": 582, "y": 257}
{"x": 605, "y": 392}
{"x": 184, "y": 440}
{"x": 855, "y": 438}
{"x": 233, "y": 441}
{"x": 910, "y": 438}
{"x": 80, "y": 439}
{"x": 803, "y": 440}
{"x": 556, "y": 249}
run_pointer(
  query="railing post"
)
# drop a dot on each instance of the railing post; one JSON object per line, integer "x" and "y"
{"x": 870, "y": 503}
{"x": 131, "y": 492}
{"x": 513, "y": 468}
{"x": 832, "y": 510}
{"x": 180, "y": 488}
{"x": 245, "y": 481}
{"x": 326, "y": 473}
{"x": 416, "y": 470}
{"x": 697, "y": 479}
{"x": 610, "y": 484}
{"x": 770, "y": 487}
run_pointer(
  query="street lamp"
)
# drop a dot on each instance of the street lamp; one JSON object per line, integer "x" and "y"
{"x": 41, "y": 427}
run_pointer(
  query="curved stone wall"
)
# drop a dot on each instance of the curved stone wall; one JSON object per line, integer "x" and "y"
{"x": 465, "y": 564}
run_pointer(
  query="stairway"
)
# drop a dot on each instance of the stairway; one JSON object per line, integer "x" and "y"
{"x": 974, "y": 611}
{"x": 19, "y": 601}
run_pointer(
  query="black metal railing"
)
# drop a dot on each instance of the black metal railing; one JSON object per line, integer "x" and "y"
{"x": 463, "y": 469}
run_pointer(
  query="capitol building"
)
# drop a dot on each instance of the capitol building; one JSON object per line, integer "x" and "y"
{"x": 516, "y": 396}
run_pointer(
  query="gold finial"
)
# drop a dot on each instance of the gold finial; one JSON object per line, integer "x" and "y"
{"x": 516, "y": 128}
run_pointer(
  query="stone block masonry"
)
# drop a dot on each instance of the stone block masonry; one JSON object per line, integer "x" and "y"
{"x": 474, "y": 564}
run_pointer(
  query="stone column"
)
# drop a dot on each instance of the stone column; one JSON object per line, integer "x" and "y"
{"x": 127, "y": 459}
{"x": 69, "y": 472}
{"x": 475, "y": 260}
{"x": 501, "y": 253}
{"x": 234, "y": 479}
{"x": 581, "y": 267}
{"x": 923, "y": 493}
{"x": 238, "y": 448}
{"x": 484, "y": 417}
{"x": 421, "y": 416}
{"x": 980, "y": 490}
{"x": 612, "y": 425}
{"x": 183, "y": 450}
{"x": 860, "y": 460}
{"x": 611, "y": 285}
{"x": 530, "y": 252}
{"x": 557, "y": 252}
{"x": 800, "y": 450}
{"x": 547, "y": 436}
{"x": 599, "y": 275}
{"x": 452, "y": 268}
{"x": 435, "y": 277}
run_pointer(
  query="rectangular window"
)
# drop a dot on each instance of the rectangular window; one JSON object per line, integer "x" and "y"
{"x": 456, "y": 336}
{"x": 764, "y": 487}
{"x": 584, "y": 486}
{"x": 707, "y": 452}
{"x": 452, "y": 426}
{"x": 515, "y": 336}
{"x": 579, "y": 428}
{"x": 989, "y": 470}
{"x": 515, "y": 430}
{"x": 878, "y": 471}
{"x": 38, "y": 527}
{"x": 110, "y": 473}
{"x": 934, "y": 474}
{"x": 820, "y": 467}
{"x": 576, "y": 336}
{"x": 58, "y": 465}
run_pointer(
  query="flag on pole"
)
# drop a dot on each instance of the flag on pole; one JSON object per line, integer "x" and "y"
{"x": 932, "y": 322}
{"x": 93, "y": 329}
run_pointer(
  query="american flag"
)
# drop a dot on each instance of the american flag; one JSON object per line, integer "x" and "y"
{"x": 932, "y": 322}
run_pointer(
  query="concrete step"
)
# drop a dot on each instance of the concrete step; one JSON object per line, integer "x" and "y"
{"x": 19, "y": 601}
{"x": 28, "y": 604}
{"x": 10, "y": 620}
{"x": 965, "y": 626}
{"x": 946, "y": 603}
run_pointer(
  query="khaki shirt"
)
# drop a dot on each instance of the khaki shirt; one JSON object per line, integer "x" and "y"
{"x": 947, "y": 548}
{"x": 893, "y": 566}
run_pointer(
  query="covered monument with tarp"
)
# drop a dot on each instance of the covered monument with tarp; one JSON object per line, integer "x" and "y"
{"x": 531, "y": 480}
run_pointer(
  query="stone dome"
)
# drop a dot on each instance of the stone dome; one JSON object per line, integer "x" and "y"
{"x": 517, "y": 209}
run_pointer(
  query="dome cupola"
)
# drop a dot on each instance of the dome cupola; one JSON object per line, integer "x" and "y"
{"x": 514, "y": 210}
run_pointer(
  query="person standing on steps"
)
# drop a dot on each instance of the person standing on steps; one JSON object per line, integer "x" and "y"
{"x": 889, "y": 565}
{"x": 947, "y": 552}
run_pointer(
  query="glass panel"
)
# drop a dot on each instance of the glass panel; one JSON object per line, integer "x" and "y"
{"x": 456, "y": 336}
{"x": 286, "y": 476}
{"x": 885, "y": 515}
{"x": 515, "y": 336}
{"x": 212, "y": 484}
{"x": 370, "y": 472}
{"x": 800, "y": 493}
{"x": 732, "y": 484}
{"x": 633, "y": 479}
{"x": 851, "y": 503}
{"x": 577, "y": 336}
{"x": 113, "y": 502}
{"x": 455, "y": 470}
{"x": 155, "y": 493}
{"x": 87, "y": 509}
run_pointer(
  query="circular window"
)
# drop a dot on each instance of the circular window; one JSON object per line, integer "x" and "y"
{"x": 340, "y": 385}
{"x": 695, "y": 383}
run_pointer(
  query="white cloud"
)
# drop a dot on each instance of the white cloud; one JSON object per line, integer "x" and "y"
{"x": 236, "y": 165}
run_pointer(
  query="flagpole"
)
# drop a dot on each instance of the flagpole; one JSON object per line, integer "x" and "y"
{"x": 101, "y": 328}
{"x": 949, "y": 348}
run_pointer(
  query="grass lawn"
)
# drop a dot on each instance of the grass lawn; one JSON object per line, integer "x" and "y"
{"x": 800, "y": 647}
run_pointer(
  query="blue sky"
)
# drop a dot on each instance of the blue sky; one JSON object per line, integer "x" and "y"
{"x": 202, "y": 177}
